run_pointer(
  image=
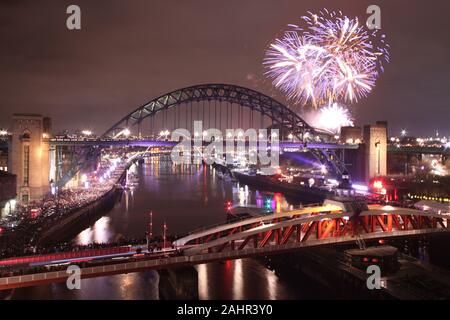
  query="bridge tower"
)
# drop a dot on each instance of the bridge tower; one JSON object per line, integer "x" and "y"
{"x": 375, "y": 140}
{"x": 29, "y": 156}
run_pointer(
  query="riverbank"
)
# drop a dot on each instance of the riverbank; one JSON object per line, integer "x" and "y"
{"x": 64, "y": 228}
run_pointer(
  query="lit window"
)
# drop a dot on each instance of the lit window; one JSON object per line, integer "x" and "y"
{"x": 26, "y": 165}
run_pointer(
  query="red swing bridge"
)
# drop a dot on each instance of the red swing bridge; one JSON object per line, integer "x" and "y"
{"x": 336, "y": 221}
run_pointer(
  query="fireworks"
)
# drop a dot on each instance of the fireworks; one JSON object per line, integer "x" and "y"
{"x": 332, "y": 118}
{"x": 334, "y": 58}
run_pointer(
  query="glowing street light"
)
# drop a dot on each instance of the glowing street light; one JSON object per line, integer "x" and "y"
{"x": 126, "y": 132}
{"x": 290, "y": 136}
{"x": 403, "y": 132}
{"x": 164, "y": 133}
{"x": 3, "y": 132}
{"x": 164, "y": 235}
{"x": 151, "y": 225}
{"x": 86, "y": 132}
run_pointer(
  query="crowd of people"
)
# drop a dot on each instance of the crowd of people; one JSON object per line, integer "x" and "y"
{"x": 152, "y": 245}
{"x": 20, "y": 231}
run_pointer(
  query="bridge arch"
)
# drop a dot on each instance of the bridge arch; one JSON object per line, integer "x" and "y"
{"x": 256, "y": 101}
{"x": 282, "y": 117}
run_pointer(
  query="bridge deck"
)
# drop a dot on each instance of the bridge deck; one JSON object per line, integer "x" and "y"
{"x": 167, "y": 262}
{"x": 311, "y": 230}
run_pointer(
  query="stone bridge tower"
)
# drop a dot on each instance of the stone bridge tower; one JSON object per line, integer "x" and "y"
{"x": 375, "y": 140}
{"x": 29, "y": 156}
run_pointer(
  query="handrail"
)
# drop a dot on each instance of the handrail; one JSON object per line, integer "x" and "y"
{"x": 245, "y": 218}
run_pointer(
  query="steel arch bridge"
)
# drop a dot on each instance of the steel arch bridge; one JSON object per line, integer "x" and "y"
{"x": 256, "y": 101}
{"x": 280, "y": 115}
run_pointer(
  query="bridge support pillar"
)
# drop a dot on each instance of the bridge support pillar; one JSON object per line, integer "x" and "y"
{"x": 375, "y": 140}
{"x": 178, "y": 284}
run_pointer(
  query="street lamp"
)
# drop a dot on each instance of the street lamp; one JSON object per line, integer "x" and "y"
{"x": 164, "y": 235}
{"x": 403, "y": 132}
{"x": 86, "y": 132}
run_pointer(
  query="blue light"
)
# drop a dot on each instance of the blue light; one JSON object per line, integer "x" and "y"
{"x": 360, "y": 187}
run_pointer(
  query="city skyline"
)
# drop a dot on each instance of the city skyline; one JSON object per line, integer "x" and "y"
{"x": 118, "y": 61}
{"x": 220, "y": 152}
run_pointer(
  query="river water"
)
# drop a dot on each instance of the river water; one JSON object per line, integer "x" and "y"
{"x": 185, "y": 198}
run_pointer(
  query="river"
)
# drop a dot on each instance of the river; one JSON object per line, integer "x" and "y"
{"x": 185, "y": 198}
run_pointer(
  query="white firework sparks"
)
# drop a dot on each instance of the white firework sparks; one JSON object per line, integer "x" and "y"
{"x": 332, "y": 118}
{"x": 334, "y": 58}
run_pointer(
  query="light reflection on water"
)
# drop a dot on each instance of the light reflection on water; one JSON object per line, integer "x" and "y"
{"x": 242, "y": 279}
{"x": 100, "y": 232}
{"x": 186, "y": 197}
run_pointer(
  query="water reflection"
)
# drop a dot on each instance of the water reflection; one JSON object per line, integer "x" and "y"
{"x": 238, "y": 281}
{"x": 242, "y": 279}
{"x": 186, "y": 197}
{"x": 100, "y": 232}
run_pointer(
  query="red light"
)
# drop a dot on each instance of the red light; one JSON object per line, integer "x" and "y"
{"x": 34, "y": 213}
{"x": 279, "y": 171}
{"x": 365, "y": 259}
{"x": 1, "y": 230}
{"x": 229, "y": 205}
{"x": 381, "y": 241}
{"x": 375, "y": 260}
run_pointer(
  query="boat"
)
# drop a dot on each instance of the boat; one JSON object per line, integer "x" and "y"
{"x": 272, "y": 183}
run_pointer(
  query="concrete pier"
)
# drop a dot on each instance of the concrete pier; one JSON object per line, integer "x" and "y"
{"x": 178, "y": 284}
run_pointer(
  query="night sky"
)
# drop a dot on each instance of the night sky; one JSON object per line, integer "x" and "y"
{"x": 129, "y": 52}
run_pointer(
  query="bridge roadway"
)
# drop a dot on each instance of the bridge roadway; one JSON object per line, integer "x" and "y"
{"x": 160, "y": 143}
{"x": 414, "y": 150}
{"x": 265, "y": 235}
{"x": 283, "y": 144}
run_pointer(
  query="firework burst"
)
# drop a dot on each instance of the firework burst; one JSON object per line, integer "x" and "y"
{"x": 333, "y": 58}
{"x": 333, "y": 118}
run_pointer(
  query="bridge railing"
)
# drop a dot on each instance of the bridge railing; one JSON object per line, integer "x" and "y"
{"x": 200, "y": 229}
